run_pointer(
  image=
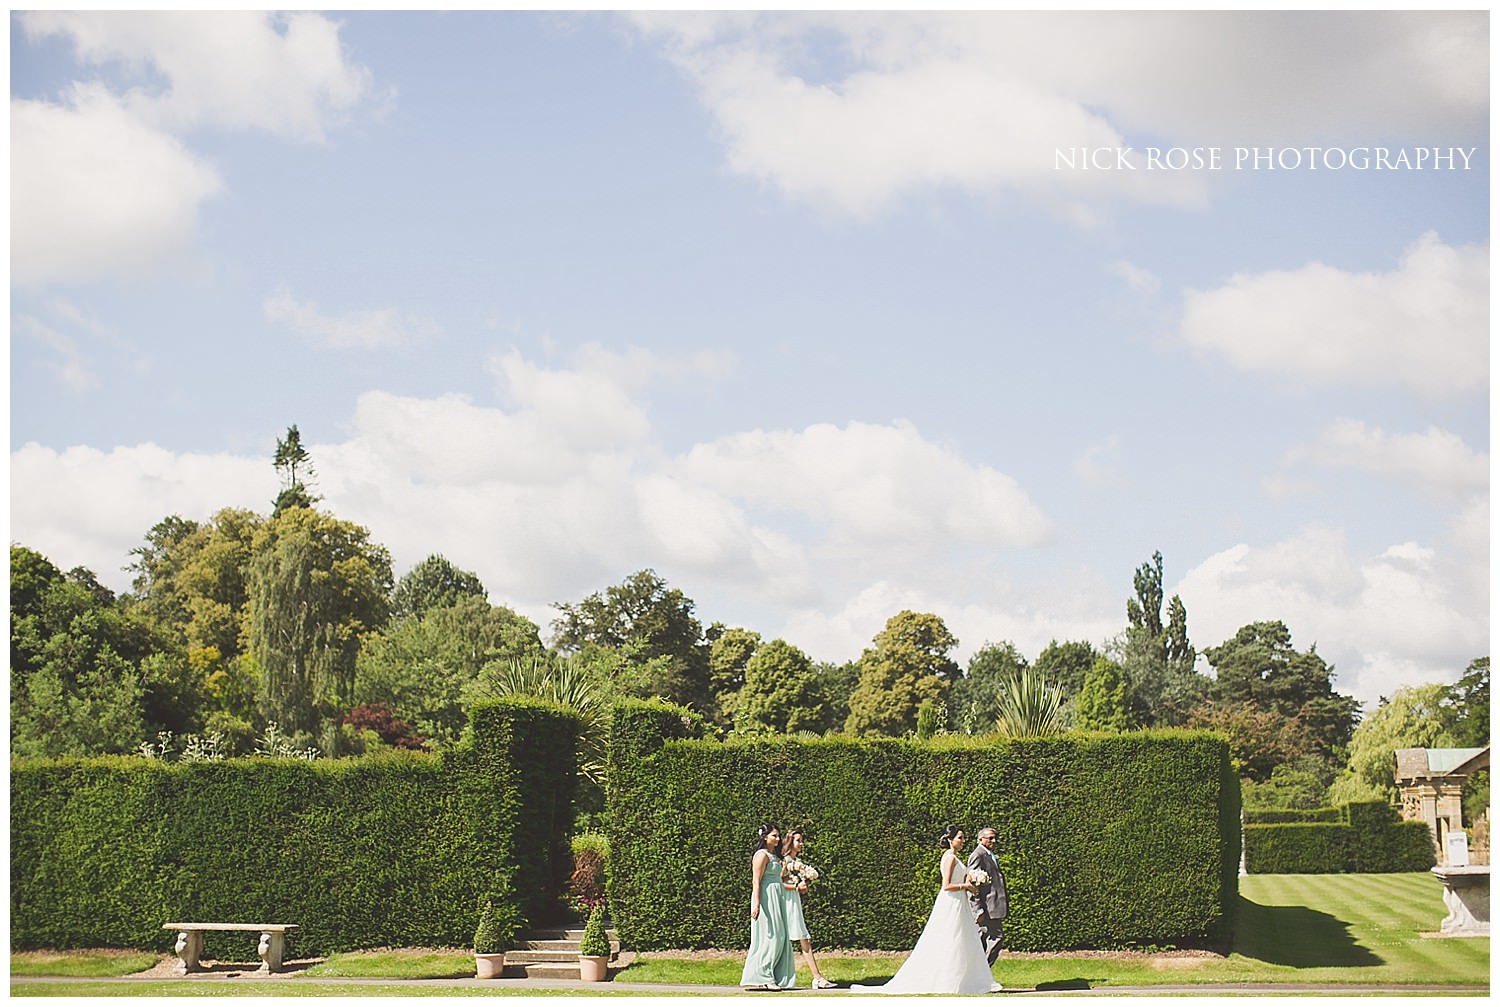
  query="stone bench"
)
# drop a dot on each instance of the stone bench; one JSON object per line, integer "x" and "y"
{"x": 189, "y": 945}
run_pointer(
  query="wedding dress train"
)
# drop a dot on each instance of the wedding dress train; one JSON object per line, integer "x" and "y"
{"x": 949, "y": 956}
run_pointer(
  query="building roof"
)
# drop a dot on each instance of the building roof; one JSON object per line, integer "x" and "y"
{"x": 1423, "y": 763}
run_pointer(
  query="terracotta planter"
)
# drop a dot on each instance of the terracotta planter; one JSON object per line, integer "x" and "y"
{"x": 489, "y": 966}
{"x": 593, "y": 968}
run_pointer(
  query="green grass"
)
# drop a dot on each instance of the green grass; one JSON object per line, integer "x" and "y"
{"x": 96, "y": 962}
{"x": 286, "y": 988}
{"x": 1354, "y": 930}
{"x": 399, "y": 963}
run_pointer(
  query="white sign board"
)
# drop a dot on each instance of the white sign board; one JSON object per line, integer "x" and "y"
{"x": 1458, "y": 849}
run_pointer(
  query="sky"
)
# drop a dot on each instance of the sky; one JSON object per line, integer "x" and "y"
{"x": 820, "y": 316}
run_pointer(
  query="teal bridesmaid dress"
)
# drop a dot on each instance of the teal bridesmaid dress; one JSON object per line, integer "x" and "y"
{"x": 769, "y": 961}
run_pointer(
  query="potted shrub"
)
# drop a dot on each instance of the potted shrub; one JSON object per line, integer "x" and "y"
{"x": 498, "y": 927}
{"x": 593, "y": 947}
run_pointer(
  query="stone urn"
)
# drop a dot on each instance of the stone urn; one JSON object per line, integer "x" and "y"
{"x": 489, "y": 966}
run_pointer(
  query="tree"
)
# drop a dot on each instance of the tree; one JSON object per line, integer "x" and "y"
{"x": 974, "y": 700}
{"x": 1101, "y": 702}
{"x": 1466, "y": 706}
{"x": 157, "y": 563}
{"x": 76, "y": 656}
{"x": 430, "y": 584}
{"x": 1466, "y": 718}
{"x": 780, "y": 695}
{"x": 291, "y": 456}
{"x": 190, "y": 583}
{"x": 1162, "y": 684}
{"x": 1411, "y": 718}
{"x": 652, "y": 628}
{"x": 1068, "y": 664}
{"x": 95, "y": 711}
{"x": 836, "y": 683}
{"x": 421, "y": 666}
{"x": 1259, "y": 667}
{"x": 1301, "y": 784}
{"x": 316, "y": 585}
{"x": 728, "y": 656}
{"x": 376, "y": 726}
{"x": 907, "y": 666}
{"x": 1259, "y": 740}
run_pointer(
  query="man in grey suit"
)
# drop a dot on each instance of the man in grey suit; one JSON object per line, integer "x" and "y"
{"x": 989, "y": 899}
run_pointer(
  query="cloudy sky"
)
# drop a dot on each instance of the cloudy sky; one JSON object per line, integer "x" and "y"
{"x": 820, "y": 316}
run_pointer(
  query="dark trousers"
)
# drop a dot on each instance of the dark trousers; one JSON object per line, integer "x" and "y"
{"x": 992, "y": 937}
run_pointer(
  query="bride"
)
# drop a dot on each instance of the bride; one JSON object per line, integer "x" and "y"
{"x": 949, "y": 956}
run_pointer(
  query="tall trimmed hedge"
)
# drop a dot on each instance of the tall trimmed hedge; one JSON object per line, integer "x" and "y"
{"x": 1105, "y": 841}
{"x": 393, "y": 849}
{"x": 1364, "y": 837}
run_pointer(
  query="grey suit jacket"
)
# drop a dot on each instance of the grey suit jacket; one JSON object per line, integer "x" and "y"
{"x": 991, "y": 899}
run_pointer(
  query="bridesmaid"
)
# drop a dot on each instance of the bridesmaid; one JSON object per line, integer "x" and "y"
{"x": 769, "y": 964}
{"x": 791, "y": 849}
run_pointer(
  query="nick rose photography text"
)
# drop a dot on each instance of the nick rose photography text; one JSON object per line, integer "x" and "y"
{"x": 1264, "y": 158}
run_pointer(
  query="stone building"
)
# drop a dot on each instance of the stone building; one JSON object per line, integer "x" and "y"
{"x": 1431, "y": 781}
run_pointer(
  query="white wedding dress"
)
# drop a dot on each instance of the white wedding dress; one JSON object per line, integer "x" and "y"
{"x": 949, "y": 956}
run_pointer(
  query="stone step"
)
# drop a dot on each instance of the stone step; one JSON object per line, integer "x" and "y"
{"x": 565, "y": 934}
{"x": 526, "y": 957}
{"x": 532, "y": 944}
{"x": 540, "y": 970}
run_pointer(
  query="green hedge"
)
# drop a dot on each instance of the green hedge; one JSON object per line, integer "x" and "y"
{"x": 1363, "y": 837}
{"x": 1279, "y": 816}
{"x": 1105, "y": 841}
{"x": 1297, "y": 848}
{"x": 392, "y": 849}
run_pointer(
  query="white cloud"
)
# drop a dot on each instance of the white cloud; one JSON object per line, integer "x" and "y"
{"x": 1405, "y": 614}
{"x": 1141, "y": 281}
{"x": 872, "y": 485}
{"x": 86, "y": 507}
{"x": 374, "y": 329}
{"x": 69, "y": 363}
{"x": 586, "y": 408}
{"x": 1099, "y": 468}
{"x": 1424, "y": 325}
{"x": 1436, "y": 463}
{"x": 285, "y": 74}
{"x": 824, "y": 533}
{"x": 982, "y": 101}
{"x": 96, "y": 192}
{"x": 100, "y": 183}
{"x": 566, "y": 489}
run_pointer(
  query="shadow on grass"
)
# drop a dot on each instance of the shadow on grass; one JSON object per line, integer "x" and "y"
{"x": 1067, "y": 984}
{"x": 1297, "y": 936}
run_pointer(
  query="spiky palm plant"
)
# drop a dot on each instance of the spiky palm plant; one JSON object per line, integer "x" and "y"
{"x": 1029, "y": 706}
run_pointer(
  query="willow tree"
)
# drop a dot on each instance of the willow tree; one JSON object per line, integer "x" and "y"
{"x": 316, "y": 585}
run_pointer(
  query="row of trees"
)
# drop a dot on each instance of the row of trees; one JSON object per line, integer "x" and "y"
{"x": 292, "y": 623}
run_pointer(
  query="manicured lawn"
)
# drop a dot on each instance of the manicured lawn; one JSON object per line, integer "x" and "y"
{"x": 97, "y": 962}
{"x": 283, "y": 988}
{"x": 1359, "y": 929}
{"x": 1356, "y": 930}
{"x": 400, "y": 963}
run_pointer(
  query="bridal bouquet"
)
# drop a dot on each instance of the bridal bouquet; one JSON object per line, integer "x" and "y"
{"x": 795, "y": 870}
{"x": 977, "y": 877}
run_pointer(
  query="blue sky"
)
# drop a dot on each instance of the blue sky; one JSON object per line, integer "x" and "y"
{"x": 805, "y": 311}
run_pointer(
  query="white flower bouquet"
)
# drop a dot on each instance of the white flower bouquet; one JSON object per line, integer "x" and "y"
{"x": 977, "y": 877}
{"x": 796, "y": 870}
